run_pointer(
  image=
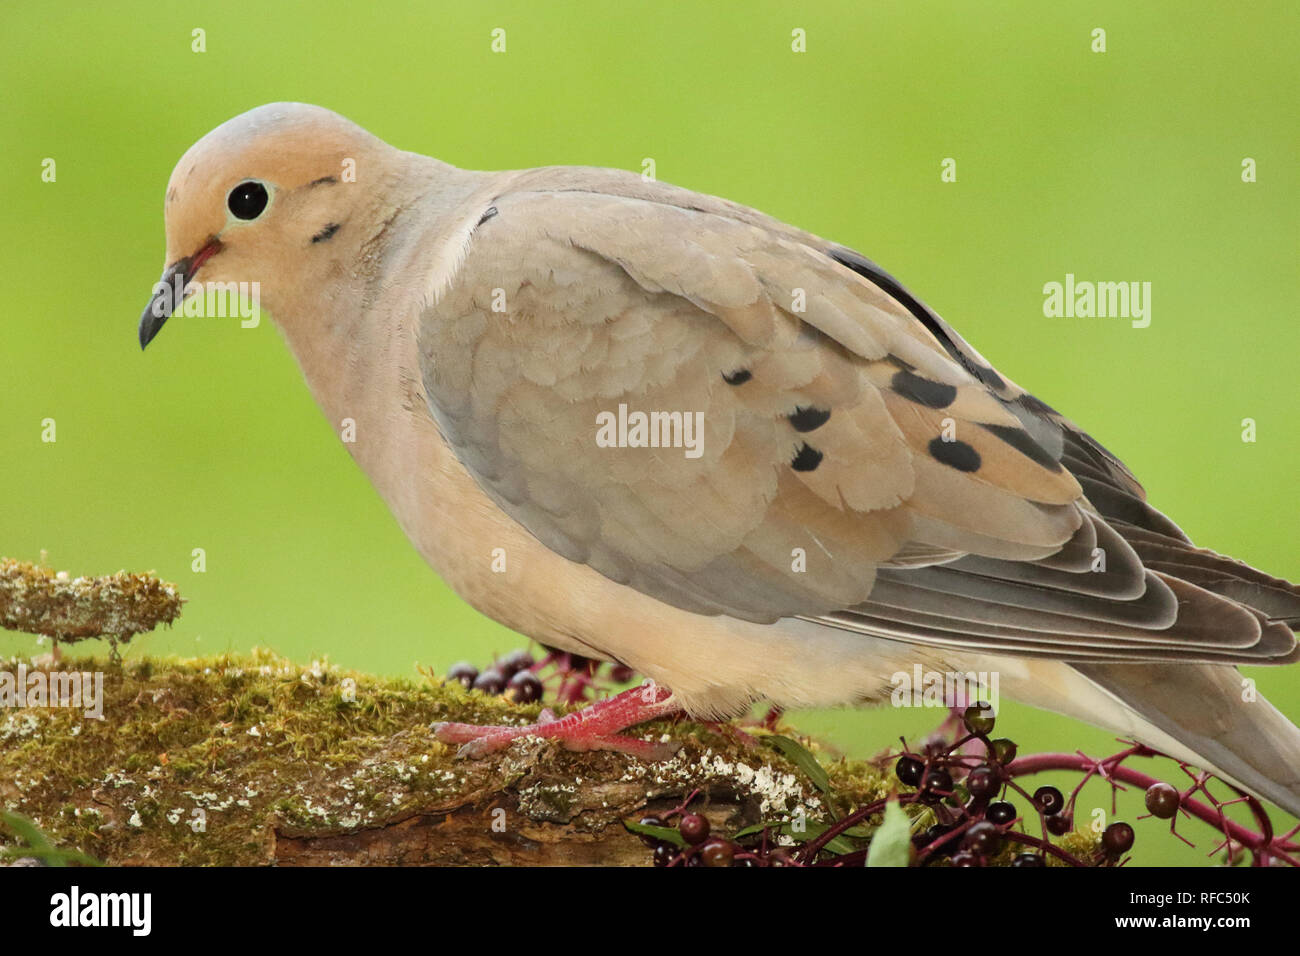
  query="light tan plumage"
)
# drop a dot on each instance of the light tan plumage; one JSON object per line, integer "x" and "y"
{"x": 476, "y": 326}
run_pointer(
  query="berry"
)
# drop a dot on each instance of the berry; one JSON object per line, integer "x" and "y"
{"x": 1004, "y": 750}
{"x": 1000, "y": 813}
{"x": 524, "y": 688}
{"x": 650, "y": 821}
{"x": 1117, "y": 839}
{"x": 1028, "y": 859}
{"x": 579, "y": 663}
{"x": 1163, "y": 800}
{"x": 464, "y": 672}
{"x": 664, "y": 853}
{"x": 909, "y": 770}
{"x": 1059, "y": 824}
{"x": 965, "y": 858}
{"x": 621, "y": 673}
{"x": 983, "y": 838}
{"x": 514, "y": 662}
{"x": 983, "y": 782}
{"x": 960, "y": 797}
{"x": 978, "y": 718}
{"x": 937, "y": 780}
{"x": 491, "y": 681}
{"x": 1049, "y": 800}
{"x": 694, "y": 828}
{"x": 936, "y": 832}
{"x": 717, "y": 853}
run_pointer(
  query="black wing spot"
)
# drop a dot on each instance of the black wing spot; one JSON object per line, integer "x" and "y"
{"x": 487, "y": 214}
{"x": 1024, "y": 443}
{"x": 807, "y": 459}
{"x": 739, "y": 377}
{"x": 326, "y": 233}
{"x": 955, "y": 454}
{"x": 809, "y": 419}
{"x": 923, "y": 391}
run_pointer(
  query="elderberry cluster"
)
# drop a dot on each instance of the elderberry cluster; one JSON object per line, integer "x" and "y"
{"x": 518, "y": 678}
{"x": 511, "y": 677}
{"x": 969, "y": 798}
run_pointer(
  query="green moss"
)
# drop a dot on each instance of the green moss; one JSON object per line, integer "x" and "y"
{"x": 195, "y": 758}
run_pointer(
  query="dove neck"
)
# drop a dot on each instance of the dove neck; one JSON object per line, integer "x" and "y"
{"x": 353, "y": 330}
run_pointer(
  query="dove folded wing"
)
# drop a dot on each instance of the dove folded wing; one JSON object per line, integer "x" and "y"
{"x": 860, "y": 465}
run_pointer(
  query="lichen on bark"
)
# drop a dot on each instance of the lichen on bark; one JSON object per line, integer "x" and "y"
{"x": 255, "y": 760}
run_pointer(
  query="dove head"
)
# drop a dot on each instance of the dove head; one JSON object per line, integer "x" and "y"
{"x": 261, "y": 199}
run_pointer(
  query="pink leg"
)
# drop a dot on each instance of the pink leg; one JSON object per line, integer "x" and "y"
{"x": 592, "y": 728}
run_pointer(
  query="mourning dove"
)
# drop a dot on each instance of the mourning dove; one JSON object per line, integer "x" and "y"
{"x": 833, "y": 486}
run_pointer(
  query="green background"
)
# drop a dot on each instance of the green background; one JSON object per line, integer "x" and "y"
{"x": 1117, "y": 166}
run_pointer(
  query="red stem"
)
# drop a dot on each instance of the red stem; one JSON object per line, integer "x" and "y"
{"x": 1256, "y": 842}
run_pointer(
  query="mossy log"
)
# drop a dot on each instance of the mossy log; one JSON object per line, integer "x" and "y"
{"x": 256, "y": 761}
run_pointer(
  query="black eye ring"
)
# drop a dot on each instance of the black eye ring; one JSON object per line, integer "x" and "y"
{"x": 247, "y": 200}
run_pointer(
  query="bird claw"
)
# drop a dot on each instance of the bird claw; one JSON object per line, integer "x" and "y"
{"x": 592, "y": 728}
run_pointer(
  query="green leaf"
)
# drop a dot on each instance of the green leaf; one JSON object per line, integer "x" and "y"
{"x": 800, "y": 756}
{"x": 666, "y": 834}
{"x": 38, "y": 845}
{"x": 892, "y": 844}
{"x": 809, "y": 831}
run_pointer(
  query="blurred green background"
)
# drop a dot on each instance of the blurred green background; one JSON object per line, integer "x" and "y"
{"x": 1117, "y": 166}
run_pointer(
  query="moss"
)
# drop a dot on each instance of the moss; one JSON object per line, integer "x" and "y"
{"x": 198, "y": 761}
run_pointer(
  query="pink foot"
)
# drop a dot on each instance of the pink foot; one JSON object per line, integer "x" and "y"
{"x": 592, "y": 728}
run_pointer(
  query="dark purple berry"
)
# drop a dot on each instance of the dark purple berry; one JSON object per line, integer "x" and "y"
{"x": 1163, "y": 800}
{"x": 579, "y": 663}
{"x": 621, "y": 673}
{"x": 524, "y": 688}
{"x": 909, "y": 770}
{"x": 1000, "y": 813}
{"x": 780, "y": 856}
{"x": 1059, "y": 824}
{"x": 978, "y": 718}
{"x": 1117, "y": 839}
{"x": 514, "y": 662}
{"x": 1028, "y": 859}
{"x": 936, "y": 832}
{"x": 694, "y": 828}
{"x": 1049, "y": 800}
{"x": 1004, "y": 750}
{"x": 664, "y": 853}
{"x": 937, "y": 780}
{"x": 490, "y": 681}
{"x": 983, "y": 783}
{"x": 717, "y": 853}
{"x": 965, "y": 858}
{"x": 464, "y": 672}
{"x": 650, "y": 821}
{"x": 982, "y": 838}
{"x": 960, "y": 797}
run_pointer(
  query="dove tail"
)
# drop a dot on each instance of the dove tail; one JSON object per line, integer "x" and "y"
{"x": 1217, "y": 723}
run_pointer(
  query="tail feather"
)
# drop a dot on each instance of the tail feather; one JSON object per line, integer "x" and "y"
{"x": 1207, "y": 710}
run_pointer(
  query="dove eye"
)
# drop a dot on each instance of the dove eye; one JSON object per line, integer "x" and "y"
{"x": 247, "y": 200}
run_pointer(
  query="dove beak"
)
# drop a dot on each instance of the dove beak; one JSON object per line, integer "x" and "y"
{"x": 169, "y": 291}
